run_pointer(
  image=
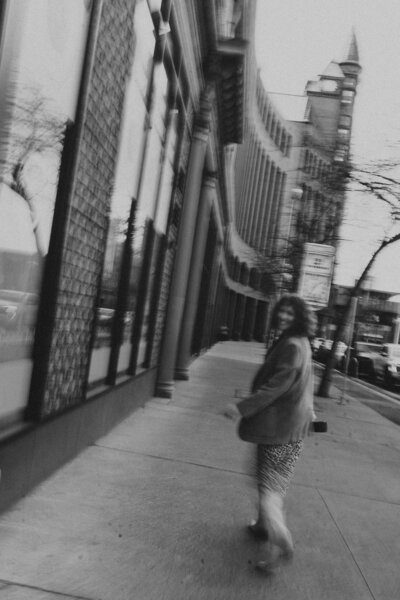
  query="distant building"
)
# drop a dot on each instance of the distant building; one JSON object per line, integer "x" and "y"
{"x": 375, "y": 319}
{"x": 290, "y": 168}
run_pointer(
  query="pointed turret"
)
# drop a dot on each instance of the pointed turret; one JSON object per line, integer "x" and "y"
{"x": 353, "y": 49}
{"x": 351, "y": 68}
{"x": 351, "y": 56}
{"x": 350, "y": 65}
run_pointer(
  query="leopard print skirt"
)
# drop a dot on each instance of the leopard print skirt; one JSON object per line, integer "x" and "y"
{"x": 275, "y": 465}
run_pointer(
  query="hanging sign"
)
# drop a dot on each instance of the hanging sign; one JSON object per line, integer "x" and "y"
{"x": 316, "y": 274}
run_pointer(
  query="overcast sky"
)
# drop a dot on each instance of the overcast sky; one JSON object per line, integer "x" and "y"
{"x": 295, "y": 41}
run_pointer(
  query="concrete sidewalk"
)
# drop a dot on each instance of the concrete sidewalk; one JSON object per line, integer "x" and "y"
{"x": 157, "y": 509}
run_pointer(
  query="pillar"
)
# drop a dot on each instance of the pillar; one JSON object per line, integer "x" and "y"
{"x": 249, "y": 319}
{"x": 231, "y": 311}
{"x": 239, "y": 317}
{"x": 261, "y": 321}
{"x": 194, "y": 281}
{"x": 244, "y": 278}
{"x": 176, "y": 302}
{"x": 212, "y": 296}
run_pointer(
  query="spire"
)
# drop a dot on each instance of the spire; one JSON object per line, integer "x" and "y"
{"x": 352, "y": 52}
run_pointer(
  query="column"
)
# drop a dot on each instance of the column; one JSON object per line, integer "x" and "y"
{"x": 165, "y": 384}
{"x": 212, "y": 296}
{"x": 264, "y": 207}
{"x": 193, "y": 289}
{"x": 276, "y": 200}
{"x": 258, "y": 202}
{"x": 252, "y": 198}
{"x": 261, "y": 321}
{"x": 246, "y": 184}
{"x": 231, "y": 311}
{"x": 248, "y": 202}
{"x": 242, "y": 159}
{"x": 239, "y": 316}
{"x": 249, "y": 319}
{"x": 269, "y": 200}
{"x": 240, "y": 308}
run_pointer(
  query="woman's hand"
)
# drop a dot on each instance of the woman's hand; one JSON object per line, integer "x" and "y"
{"x": 241, "y": 394}
{"x": 231, "y": 412}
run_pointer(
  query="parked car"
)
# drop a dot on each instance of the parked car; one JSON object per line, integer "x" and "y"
{"x": 362, "y": 360}
{"x": 18, "y": 310}
{"x": 324, "y": 349}
{"x": 386, "y": 364}
{"x": 315, "y": 344}
{"x": 105, "y": 317}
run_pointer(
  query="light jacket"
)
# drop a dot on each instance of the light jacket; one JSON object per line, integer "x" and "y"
{"x": 280, "y": 407}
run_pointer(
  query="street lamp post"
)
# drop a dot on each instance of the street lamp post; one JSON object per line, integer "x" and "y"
{"x": 366, "y": 286}
{"x": 296, "y": 195}
{"x": 353, "y": 312}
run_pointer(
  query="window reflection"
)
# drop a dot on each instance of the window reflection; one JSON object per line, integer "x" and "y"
{"x": 143, "y": 186}
{"x": 46, "y": 41}
{"x": 126, "y": 189}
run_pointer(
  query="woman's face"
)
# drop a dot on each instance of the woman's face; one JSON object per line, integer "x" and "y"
{"x": 285, "y": 317}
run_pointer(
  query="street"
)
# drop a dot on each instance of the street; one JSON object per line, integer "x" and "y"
{"x": 384, "y": 402}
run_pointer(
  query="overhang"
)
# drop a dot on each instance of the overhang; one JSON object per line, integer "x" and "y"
{"x": 230, "y": 86}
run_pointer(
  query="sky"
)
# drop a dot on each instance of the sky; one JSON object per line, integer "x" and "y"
{"x": 295, "y": 41}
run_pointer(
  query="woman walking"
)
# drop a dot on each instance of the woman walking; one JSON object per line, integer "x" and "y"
{"x": 276, "y": 416}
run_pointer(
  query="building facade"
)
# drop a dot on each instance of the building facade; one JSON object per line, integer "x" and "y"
{"x": 117, "y": 120}
{"x": 291, "y": 169}
{"x": 144, "y": 171}
{"x": 376, "y": 318}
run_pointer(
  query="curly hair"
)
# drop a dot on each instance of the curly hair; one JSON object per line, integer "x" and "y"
{"x": 304, "y": 318}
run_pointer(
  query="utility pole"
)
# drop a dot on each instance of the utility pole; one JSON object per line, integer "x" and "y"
{"x": 353, "y": 312}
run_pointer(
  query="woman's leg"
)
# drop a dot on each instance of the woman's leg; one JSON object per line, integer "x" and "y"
{"x": 271, "y": 519}
{"x": 275, "y": 466}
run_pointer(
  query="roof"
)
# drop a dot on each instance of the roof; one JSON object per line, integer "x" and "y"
{"x": 333, "y": 71}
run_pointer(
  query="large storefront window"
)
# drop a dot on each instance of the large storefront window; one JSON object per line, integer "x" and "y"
{"x": 127, "y": 185}
{"x": 143, "y": 181}
{"x": 148, "y": 201}
{"x": 161, "y": 211}
{"x": 41, "y": 60}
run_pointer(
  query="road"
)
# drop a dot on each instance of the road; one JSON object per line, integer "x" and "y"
{"x": 382, "y": 401}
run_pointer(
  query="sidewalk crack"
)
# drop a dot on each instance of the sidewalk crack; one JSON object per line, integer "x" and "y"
{"x": 346, "y": 544}
{"x": 26, "y": 586}
{"x": 173, "y": 460}
{"x": 347, "y": 494}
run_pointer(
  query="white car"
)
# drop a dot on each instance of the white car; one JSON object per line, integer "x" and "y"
{"x": 386, "y": 364}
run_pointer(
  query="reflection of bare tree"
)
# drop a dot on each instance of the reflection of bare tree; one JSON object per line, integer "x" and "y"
{"x": 35, "y": 131}
{"x": 119, "y": 230}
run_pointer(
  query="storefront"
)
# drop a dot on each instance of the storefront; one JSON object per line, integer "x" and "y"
{"x": 43, "y": 50}
{"x": 111, "y": 121}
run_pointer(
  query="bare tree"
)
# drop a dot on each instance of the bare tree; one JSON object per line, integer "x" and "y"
{"x": 380, "y": 188}
{"x": 384, "y": 189}
{"x": 318, "y": 224}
